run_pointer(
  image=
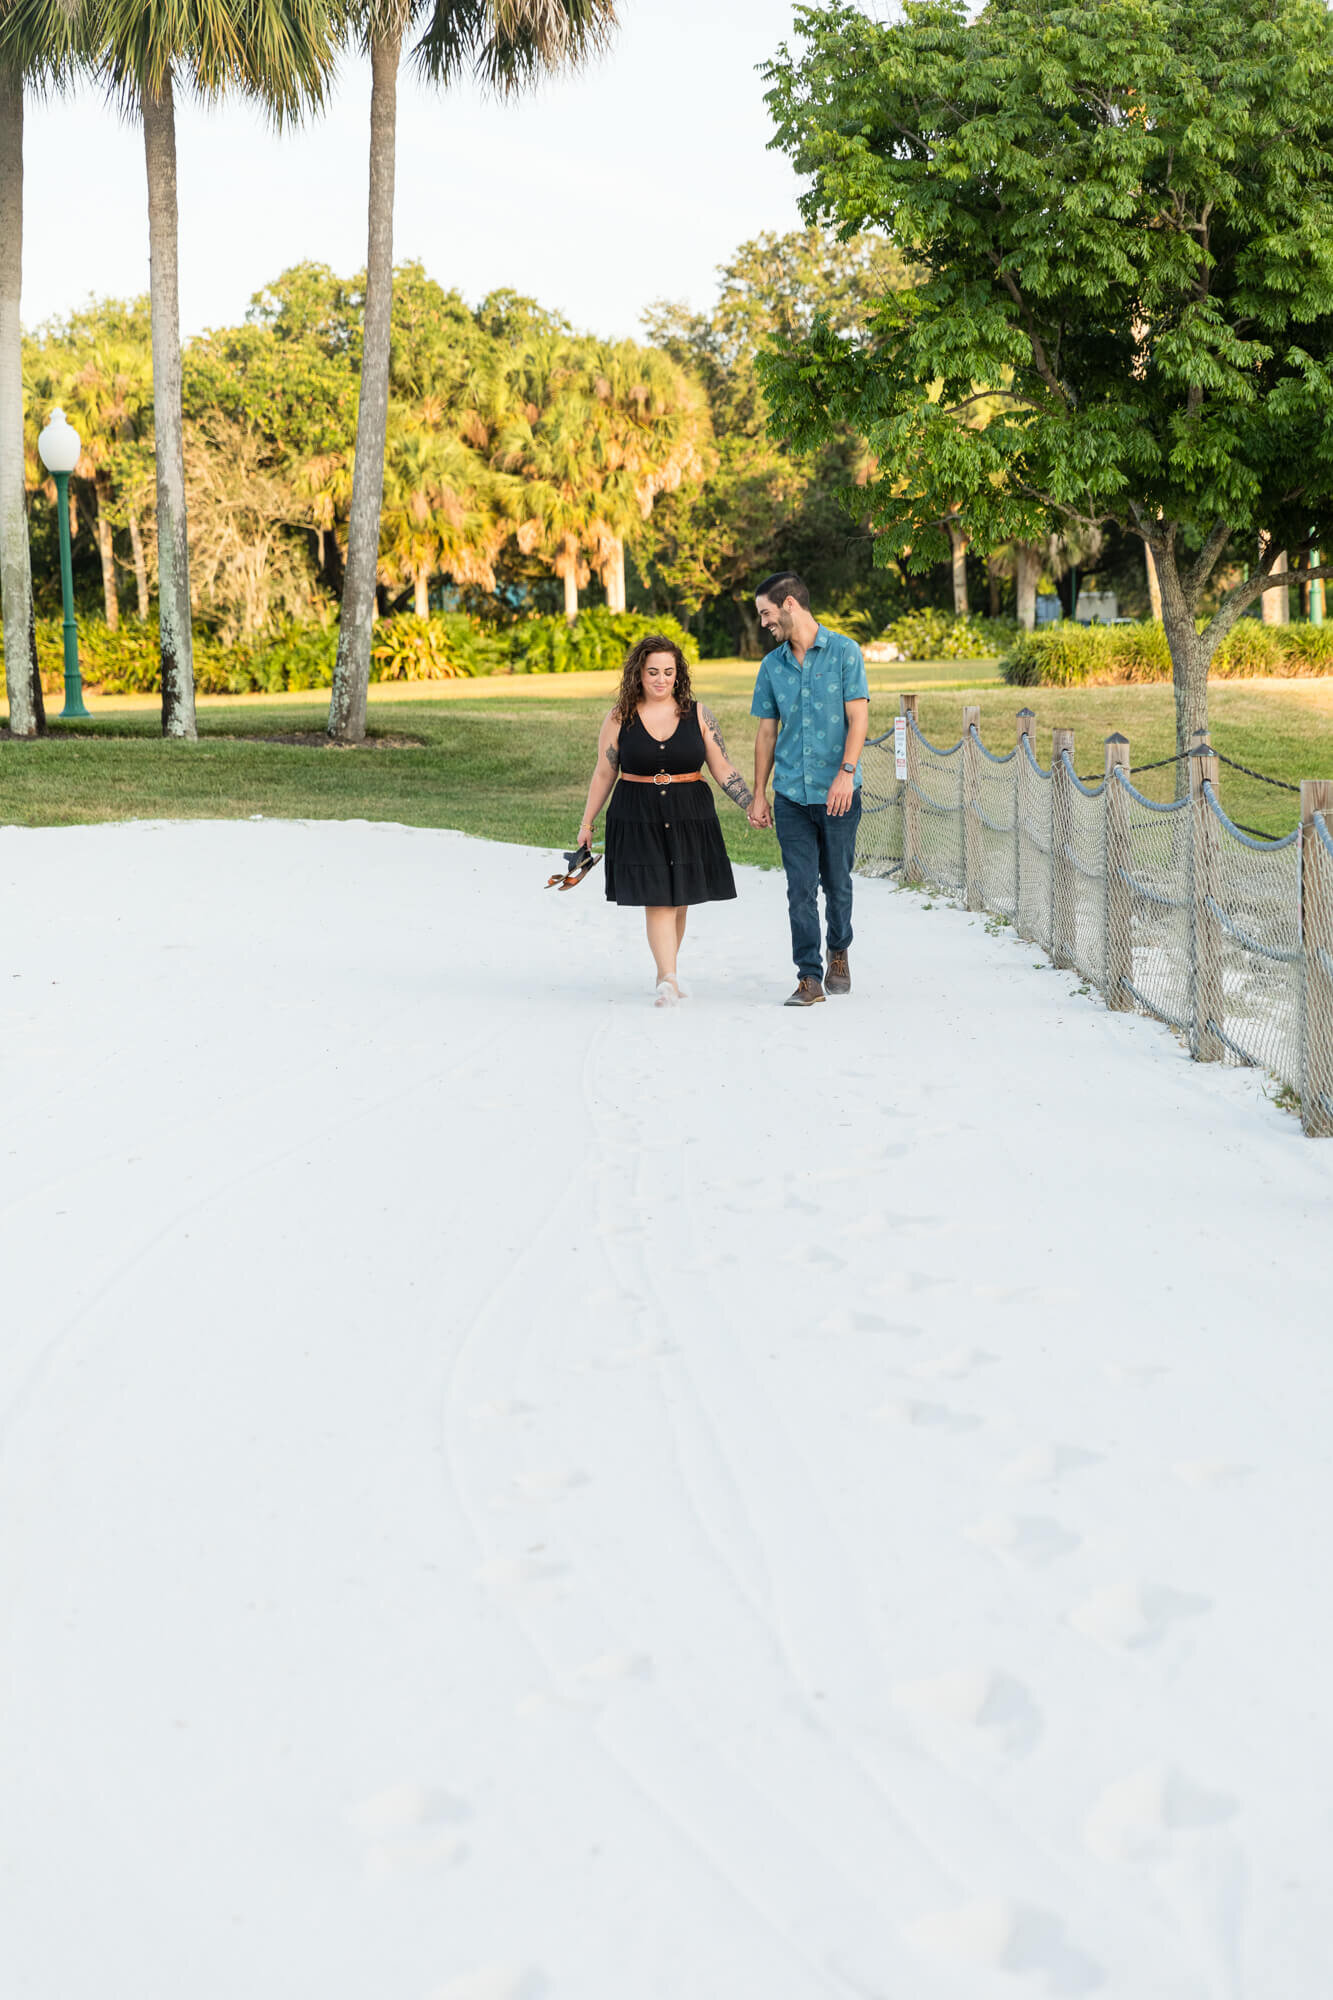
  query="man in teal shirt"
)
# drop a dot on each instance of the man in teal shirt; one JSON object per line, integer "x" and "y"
{"x": 813, "y": 704}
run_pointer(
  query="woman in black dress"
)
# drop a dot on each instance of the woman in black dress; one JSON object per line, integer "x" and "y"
{"x": 664, "y": 847}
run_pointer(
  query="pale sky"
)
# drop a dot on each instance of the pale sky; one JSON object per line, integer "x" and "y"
{"x": 630, "y": 182}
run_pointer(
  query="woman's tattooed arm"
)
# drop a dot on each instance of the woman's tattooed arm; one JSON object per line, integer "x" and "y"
{"x": 709, "y": 721}
{"x": 613, "y": 755}
{"x": 738, "y": 791}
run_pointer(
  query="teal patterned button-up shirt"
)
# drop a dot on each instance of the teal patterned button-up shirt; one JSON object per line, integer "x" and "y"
{"x": 807, "y": 701}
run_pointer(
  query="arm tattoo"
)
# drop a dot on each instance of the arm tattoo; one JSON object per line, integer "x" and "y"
{"x": 738, "y": 791}
{"x": 613, "y": 755}
{"x": 710, "y": 721}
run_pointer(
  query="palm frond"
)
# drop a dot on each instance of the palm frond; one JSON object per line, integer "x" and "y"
{"x": 280, "y": 52}
{"x": 509, "y": 44}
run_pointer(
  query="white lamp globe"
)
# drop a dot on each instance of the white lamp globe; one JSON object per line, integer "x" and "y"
{"x": 59, "y": 444}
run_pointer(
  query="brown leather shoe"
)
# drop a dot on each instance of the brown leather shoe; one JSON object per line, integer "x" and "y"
{"x": 837, "y": 974}
{"x": 809, "y": 992}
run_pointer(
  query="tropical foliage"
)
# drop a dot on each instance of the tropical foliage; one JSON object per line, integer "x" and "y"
{"x": 1071, "y": 655}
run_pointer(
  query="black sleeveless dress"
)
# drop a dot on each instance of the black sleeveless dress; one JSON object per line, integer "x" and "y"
{"x": 663, "y": 842}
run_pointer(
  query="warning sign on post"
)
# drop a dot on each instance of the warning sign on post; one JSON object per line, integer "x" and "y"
{"x": 900, "y": 746}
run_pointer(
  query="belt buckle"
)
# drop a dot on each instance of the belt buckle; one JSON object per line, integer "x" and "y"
{"x": 662, "y": 778}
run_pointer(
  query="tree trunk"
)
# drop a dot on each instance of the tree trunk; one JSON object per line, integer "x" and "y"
{"x": 1154, "y": 587}
{"x": 351, "y": 673}
{"x": 34, "y": 670}
{"x": 421, "y": 593}
{"x": 570, "y": 579}
{"x": 110, "y": 600}
{"x": 140, "y": 564}
{"x": 614, "y": 576}
{"x": 1190, "y": 657}
{"x": 751, "y": 646}
{"x": 958, "y": 543}
{"x": 173, "y": 549}
{"x": 1027, "y": 569}
{"x": 15, "y": 574}
{"x": 993, "y": 586}
{"x": 1274, "y": 605}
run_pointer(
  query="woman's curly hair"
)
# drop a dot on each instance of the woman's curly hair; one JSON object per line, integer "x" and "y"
{"x": 631, "y": 680}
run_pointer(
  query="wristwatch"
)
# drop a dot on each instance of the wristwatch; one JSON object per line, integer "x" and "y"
{"x": 851, "y": 768}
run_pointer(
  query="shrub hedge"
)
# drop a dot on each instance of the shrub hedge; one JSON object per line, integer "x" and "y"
{"x": 939, "y": 635}
{"x": 1068, "y": 655}
{"x": 447, "y": 646}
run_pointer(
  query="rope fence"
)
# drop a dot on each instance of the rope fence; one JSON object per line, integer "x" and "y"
{"x": 1168, "y": 909}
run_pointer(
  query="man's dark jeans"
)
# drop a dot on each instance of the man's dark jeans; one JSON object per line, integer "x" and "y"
{"x": 817, "y": 851}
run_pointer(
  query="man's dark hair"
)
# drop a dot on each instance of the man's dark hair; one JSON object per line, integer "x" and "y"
{"x": 784, "y": 584}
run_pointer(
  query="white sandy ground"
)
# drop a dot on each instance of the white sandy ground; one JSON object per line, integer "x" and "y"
{"x": 509, "y": 1495}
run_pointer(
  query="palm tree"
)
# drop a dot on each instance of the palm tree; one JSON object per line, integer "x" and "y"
{"x": 37, "y": 45}
{"x": 439, "y": 510}
{"x": 278, "y": 51}
{"x": 507, "y": 43}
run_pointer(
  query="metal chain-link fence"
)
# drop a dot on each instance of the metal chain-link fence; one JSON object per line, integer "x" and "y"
{"x": 1169, "y": 909}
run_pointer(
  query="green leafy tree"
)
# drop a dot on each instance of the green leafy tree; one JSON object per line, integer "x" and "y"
{"x": 279, "y": 52}
{"x": 1124, "y": 214}
{"x": 508, "y": 44}
{"x": 764, "y": 502}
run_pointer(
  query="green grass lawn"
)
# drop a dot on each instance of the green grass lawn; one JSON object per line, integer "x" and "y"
{"x": 510, "y": 759}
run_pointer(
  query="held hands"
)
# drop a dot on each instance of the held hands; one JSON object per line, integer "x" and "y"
{"x": 840, "y": 795}
{"x": 759, "y": 814}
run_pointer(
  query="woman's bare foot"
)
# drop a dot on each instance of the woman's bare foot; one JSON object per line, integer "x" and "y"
{"x": 668, "y": 993}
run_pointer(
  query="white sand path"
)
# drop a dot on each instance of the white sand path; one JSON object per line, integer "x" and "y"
{"x": 506, "y": 1494}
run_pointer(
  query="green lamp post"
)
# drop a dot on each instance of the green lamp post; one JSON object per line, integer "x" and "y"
{"x": 59, "y": 447}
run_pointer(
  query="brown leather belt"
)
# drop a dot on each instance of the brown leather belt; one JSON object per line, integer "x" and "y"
{"x": 663, "y": 778}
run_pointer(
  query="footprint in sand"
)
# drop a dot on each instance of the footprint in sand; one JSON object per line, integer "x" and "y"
{"x": 608, "y": 1668}
{"x": 927, "y": 1416}
{"x": 1134, "y": 1374}
{"x": 1047, "y": 1461}
{"x": 816, "y": 1254}
{"x": 994, "y": 1705}
{"x": 502, "y": 1412}
{"x": 550, "y": 1482}
{"x": 1135, "y": 1818}
{"x": 1025, "y": 1295}
{"x": 494, "y": 1982}
{"x": 1030, "y": 1539}
{"x": 533, "y": 1571}
{"x": 954, "y": 1366}
{"x": 1210, "y": 1473}
{"x": 847, "y": 1319}
{"x": 408, "y": 1828}
{"x": 1007, "y": 1937}
{"x": 1135, "y": 1614}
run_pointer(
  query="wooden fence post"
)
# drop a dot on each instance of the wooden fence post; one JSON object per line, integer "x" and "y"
{"x": 1027, "y": 725}
{"x": 1118, "y": 949}
{"x": 1206, "y": 1011}
{"x": 973, "y": 850}
{"x": 1317, "y": 942}
{"x": 1063, "y": 906}
{"x": 911, "y": 814}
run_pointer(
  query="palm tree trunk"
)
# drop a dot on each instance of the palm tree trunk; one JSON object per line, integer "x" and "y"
{"x": 110, "y": 599}
{"x": 421, "y": 593}
{"x": 1027, "y": 569}
{"x": 140, "y": 563}
{"x": 1274, "y": 607}
{"x": 1154, "y": 587}
{"x": 958, "y": 543}
{"x": 571, "y": 583}
{"x": 618, "y": 575}
{"x": 15, "y": 577}
{"x": 173, "y": 551}
{"x": 351, "y": 673}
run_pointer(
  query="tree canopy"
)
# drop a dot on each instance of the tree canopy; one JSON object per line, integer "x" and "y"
{"x": 1123, "y": 216}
